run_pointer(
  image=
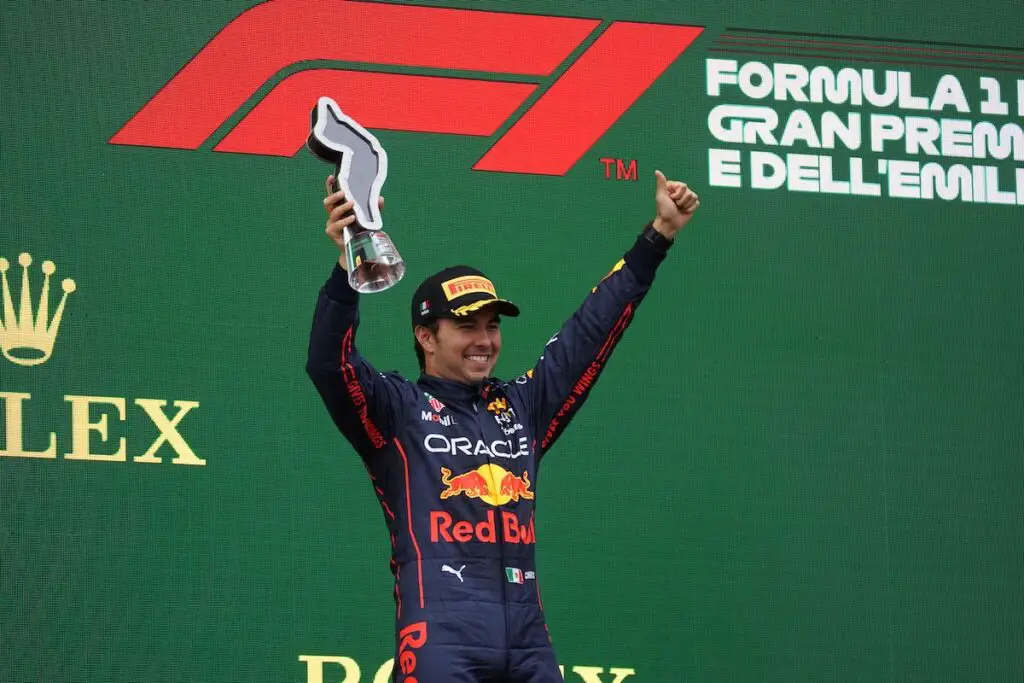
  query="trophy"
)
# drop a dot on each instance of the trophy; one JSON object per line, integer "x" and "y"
{"x": 361, "y": 165}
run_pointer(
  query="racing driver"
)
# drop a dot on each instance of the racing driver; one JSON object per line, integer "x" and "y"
{"x": 453, "y": 456}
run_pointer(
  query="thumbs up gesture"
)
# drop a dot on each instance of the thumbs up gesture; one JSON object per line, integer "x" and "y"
{"x": 675, "y": 204}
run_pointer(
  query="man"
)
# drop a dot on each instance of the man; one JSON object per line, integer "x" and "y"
{"x": 453, "y": 456}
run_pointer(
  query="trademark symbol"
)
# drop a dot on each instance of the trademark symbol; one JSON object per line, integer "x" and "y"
{"x": 624, "y": 170}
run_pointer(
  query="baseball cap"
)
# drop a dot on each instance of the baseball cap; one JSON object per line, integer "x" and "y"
{"x": 455, "y": 292}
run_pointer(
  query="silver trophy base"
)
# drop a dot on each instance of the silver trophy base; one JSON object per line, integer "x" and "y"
{"x": 373, "y": 262}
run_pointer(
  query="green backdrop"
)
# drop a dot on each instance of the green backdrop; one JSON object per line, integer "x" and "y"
{"x": 804, "y": 462}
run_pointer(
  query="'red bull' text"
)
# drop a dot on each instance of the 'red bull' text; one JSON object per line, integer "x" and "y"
{"x": 444, "y": 528}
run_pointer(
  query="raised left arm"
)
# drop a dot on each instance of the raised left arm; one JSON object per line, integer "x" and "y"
{"x": 574, "y": 358}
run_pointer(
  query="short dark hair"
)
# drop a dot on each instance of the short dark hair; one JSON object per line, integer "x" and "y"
{"x": 433, "y": 324}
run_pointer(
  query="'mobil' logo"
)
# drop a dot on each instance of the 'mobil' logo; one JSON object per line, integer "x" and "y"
{"x": 27, "y": 337}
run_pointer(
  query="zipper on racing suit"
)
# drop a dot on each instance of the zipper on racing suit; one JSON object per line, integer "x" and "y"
{"x": 499, "y": 532}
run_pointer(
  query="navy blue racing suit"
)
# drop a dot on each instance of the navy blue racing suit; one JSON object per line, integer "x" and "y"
{"x": 455, "y": 469}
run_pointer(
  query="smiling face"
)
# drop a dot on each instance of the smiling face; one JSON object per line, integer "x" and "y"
{"x": 464, "y": 349}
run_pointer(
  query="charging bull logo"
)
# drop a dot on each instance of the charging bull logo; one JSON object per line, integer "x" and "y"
{"x": 495, "y": 486}
{"x": 490, "y": 483}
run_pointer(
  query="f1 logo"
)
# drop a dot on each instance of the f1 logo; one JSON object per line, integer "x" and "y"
{"x": 593, "y": 89}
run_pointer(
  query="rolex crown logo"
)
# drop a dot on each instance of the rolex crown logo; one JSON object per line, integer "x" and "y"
{"x": 27, "y": 338}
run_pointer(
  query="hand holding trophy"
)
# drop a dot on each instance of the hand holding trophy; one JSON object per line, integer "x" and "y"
{"x": 361, "y": 166}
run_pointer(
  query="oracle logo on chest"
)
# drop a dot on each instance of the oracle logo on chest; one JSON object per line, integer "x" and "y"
{"x": 461, "y": 445}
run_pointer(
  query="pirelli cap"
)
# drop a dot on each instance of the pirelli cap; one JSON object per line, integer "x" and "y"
{"x": 454, "y": 292}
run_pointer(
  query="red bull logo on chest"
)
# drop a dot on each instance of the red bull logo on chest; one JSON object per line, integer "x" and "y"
{"x": 494, "y": 485}
{"x": 490, "y": 483}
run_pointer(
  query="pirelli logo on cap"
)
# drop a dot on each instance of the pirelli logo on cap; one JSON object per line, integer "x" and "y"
{"x": 467, "y": 284}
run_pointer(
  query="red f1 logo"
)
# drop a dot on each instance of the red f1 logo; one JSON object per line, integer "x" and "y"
{"x": 595, "y": 88}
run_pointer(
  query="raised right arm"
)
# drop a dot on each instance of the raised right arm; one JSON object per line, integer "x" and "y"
{"x": 364, "y": 404}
